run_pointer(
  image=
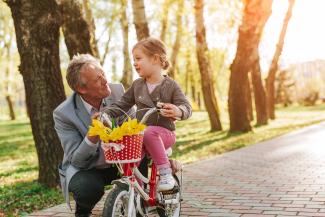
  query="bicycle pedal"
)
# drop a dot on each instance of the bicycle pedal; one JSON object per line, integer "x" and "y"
{"x": 175, "y": 190}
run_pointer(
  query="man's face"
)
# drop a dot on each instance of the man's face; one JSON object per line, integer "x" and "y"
{"x": 96, "y": 86}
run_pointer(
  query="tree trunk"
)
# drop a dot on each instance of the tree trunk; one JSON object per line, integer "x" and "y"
{"x": 11, "y": 108}
{"x": 188, "y": 71}
{"x": 256, "y": 13}
{"x": 172, "y": 71}
{"x": 249, "y": 100}
{"x": 140, "y": 20}
{"x": 92, "y": 28}
{"x": 76, "y": 31}
{"x": 210, "y": 99}
{"x": 164, "y": 19}
{"x": 127, "y": 77}
{"x": 199, "y": 100}
{"x": 37, "y": 34}
{"x": 7, "y": 82}
{"x": 106, "y": 50}
{"x": 259, "y": 93}
{"x": 274, "y": 64}
{"x": 193, "y": 88}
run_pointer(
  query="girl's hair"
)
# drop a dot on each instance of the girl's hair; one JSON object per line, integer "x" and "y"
{"x": 151, "y": 46}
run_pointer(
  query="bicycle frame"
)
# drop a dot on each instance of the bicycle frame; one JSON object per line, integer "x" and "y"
{"x": 130, "y": 175}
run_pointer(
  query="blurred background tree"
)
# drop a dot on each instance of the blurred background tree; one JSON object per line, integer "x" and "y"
{"x": 37, "y": 35}
{"x": 256, "y": 13}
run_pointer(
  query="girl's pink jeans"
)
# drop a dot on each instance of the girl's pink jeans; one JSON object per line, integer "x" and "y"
{"x": 156, "y": 140}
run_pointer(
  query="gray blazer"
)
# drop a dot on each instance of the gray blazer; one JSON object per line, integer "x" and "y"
{"x": 71, "y": 124}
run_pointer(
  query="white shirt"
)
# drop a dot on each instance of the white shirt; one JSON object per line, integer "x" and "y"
{"x": 151, "y": 87}
{"x": 89, "y": 109}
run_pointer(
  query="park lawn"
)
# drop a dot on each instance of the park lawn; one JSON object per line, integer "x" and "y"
{"x": 19, "y": 191}
{"x": 195, "y": 142}
{"x": 21, "y": 194}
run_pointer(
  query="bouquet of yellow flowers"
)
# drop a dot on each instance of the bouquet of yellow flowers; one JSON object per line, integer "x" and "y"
{"x": 121, "y": 144}
{"x": 128, "y": 128}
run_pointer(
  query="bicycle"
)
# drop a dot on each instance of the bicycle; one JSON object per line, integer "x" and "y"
{"x": 128, "y": 197}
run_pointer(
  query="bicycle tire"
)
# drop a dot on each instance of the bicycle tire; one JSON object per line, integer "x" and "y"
{"x": 161, "y": 211}
{"x": 110, "y": 205}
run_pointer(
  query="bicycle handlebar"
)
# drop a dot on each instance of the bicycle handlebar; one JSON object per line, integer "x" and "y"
{"x": 104, "y": 117}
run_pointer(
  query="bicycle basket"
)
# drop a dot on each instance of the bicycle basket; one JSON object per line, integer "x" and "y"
{"x": 126, "y": 150}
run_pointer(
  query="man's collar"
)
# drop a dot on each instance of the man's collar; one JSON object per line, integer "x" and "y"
{"x": 89, "y": 107}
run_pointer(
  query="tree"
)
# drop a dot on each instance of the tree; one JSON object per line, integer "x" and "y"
{"x": 8, "y": 78}
{"x": 92, "y": 28}
{"x": 259, "y": 92}
{"x": 256, "y": 12}
{"x": 285, "y": 83}
{"x": 127, "y": 77}
{"x": 7, "y": 38}
{"x": 140, "y": 20}
{"x": 164, "y": 19}
{"x": 209, "y": 96}
{"x": 249, "y": 100}
{"x": 270, "y": 90}
{"x": 110, "y": 24}
{"x": 77, "y": 32}
{"x": 37, "y": 34}
{"x": 177, "y": 43}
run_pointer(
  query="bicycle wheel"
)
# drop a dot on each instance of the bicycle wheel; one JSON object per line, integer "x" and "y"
{"x": 169, "y": 210}
{"x": 116, "y": 203}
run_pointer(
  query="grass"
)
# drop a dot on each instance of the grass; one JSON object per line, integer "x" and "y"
{"x": 21, "y": 194}
{"x": 195, "y": 142}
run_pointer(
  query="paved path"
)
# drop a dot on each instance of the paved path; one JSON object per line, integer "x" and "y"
{"x": 280, "y": 177}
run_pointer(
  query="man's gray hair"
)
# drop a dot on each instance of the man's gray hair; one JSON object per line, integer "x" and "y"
{"x": 75, "y": 66}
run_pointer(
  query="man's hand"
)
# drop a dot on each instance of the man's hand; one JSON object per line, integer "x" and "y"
{"x": 171, "y": 111}
{"x": 94, "y": 139}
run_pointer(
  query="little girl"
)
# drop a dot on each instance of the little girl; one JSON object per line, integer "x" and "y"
{"x": 153, "y": 87}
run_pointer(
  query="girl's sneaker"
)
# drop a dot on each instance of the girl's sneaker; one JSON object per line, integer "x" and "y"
{"x": 166, "y": 180}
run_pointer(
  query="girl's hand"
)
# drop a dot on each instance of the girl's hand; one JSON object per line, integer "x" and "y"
{"x": 171, "y": 111}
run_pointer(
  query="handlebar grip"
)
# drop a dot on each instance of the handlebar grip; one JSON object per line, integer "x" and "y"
{"x": 105, "y": 119}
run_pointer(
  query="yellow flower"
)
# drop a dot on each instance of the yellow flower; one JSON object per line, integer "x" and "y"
{"x": 116, "y": 134}
{"x": 98, "y": 129}
{"x": 128, "y": 128}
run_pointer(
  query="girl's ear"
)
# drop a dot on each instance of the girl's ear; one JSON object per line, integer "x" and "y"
{"x": 156, "y": 58}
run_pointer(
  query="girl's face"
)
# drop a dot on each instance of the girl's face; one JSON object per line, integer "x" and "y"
{"x": 144, "y": 64}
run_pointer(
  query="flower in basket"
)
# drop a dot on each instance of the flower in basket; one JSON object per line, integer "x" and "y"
{"x": 128, "y": 128}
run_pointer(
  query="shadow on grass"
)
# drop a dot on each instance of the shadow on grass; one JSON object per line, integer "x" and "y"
{"x": 209, "y": 138}
{"x": 318, "y": 108}
{"x": 10, "y": 149}
{"x": 26, "y": 197}
{"x": 14, "y": 135}
{"x": 18, "y": 171}
{"x": 10, "y": 125}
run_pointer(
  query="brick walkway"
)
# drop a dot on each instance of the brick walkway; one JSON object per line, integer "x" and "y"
{"x": 280, "y": 177}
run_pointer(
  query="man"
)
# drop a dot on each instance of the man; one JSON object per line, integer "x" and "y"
{"x": 84, "y": 171}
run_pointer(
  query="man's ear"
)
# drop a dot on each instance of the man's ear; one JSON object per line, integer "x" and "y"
{"x": 81, "y": 90}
